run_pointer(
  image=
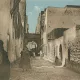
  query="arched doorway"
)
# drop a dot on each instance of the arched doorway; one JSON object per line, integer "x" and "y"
{"x": 59, "y": 58}
{"x": 60, "y": 52}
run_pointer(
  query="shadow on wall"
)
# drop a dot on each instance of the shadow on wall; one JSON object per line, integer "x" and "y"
{"x": 4, "y": 63}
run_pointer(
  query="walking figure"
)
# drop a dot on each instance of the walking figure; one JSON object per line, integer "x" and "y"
{"x": 25, "y": 60}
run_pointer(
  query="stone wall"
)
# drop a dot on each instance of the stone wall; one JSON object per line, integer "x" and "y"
{"x": 69, "y": 36}
{"x": 73, "y": 46}
{"x": 53, "y": 50}
{"x": 50, "y": 53}
{"x": 12, "y": 30}
{"x": 5, "y": 20}
{"x": 62, "y": 17}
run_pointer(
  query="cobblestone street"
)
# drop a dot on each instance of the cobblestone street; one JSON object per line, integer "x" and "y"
{"x": 43, "y": 70}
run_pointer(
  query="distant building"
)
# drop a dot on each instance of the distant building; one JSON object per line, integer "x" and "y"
{"x": 37, "y": 31}
{"x": 27, "y": 25}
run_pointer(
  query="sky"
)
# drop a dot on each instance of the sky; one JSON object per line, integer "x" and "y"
{"x": 34, "y": 7}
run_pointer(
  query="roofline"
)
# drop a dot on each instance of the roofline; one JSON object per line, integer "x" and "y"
{"x": 72, "y": 6}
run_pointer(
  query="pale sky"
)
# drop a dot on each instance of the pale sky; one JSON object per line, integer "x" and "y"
{"x": 35, "y": 6}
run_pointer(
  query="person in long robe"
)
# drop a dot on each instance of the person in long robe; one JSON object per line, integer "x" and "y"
{"x": 25, "y": 60}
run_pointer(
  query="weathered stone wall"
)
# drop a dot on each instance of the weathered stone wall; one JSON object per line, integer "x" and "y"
{"x": 73, "y": 49}
{"x": 53, "y": 50}
{"x": 50, "y": 53}
{"x": 11, "y": 29}
{"x": 69, "y": 36}
{"x": 18, "y": 12}
{"x": 59, "y": 18}
{"x": 4, "y": 21}
{"x": 22, "y": 9}
{"x": 62, "y": 17}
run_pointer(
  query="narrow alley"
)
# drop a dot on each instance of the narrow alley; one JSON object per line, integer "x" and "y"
{"x": 42, "y": 70}
{"x": 31, "y": 30}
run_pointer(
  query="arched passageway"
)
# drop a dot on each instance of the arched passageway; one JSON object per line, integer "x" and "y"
{"x": 60, "y": 55}
{"x": 34, "y": 40}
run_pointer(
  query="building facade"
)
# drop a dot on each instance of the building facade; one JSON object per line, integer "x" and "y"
{"x": 60, "y": 34}
{"x": 12, "y": 26}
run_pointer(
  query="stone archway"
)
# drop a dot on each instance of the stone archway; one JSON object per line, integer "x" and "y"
{"x": 33, "y": 38}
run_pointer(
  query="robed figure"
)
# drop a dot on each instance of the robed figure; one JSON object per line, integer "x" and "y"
{"x": 25, "y": 60}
